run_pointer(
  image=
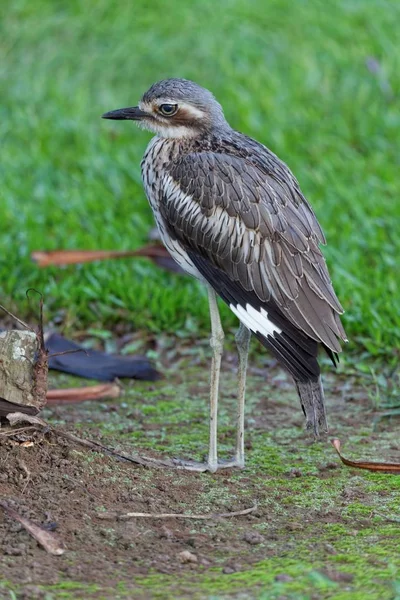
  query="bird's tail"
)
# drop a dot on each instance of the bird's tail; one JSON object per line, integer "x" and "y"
{"x": 312, "y": 402}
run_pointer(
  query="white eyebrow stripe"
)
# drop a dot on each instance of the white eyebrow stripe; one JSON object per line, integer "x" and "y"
{"x": 191, "y": 110}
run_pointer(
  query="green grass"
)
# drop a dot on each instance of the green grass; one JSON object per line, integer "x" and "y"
{"x": 291, "y": 74}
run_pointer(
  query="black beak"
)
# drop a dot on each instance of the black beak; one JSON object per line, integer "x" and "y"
{"x": 134, "y": 113}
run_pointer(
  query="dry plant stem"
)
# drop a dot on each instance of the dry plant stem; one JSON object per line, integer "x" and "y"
{"x": 41, "y": 369}
{"x": 133, "y": 515}
{"x": 48, "y": 540}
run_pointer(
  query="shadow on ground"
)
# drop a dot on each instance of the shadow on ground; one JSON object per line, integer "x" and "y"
{"x": 320, "y": 531}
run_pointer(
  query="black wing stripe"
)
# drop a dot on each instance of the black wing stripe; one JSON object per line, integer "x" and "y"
{"x": 292, "y": 348}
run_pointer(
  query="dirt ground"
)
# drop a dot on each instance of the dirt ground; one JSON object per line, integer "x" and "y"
{"x": 320, "y": 529}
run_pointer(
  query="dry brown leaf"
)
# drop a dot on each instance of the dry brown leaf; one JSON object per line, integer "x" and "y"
{"x": 81, "y": 394}
{"x": 155, "y": 252}
{"x": 363, "y": 464}
{"x": 72, "y": 257}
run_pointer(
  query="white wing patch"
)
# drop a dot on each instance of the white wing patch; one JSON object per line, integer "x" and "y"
{"x": 257, "y": 321}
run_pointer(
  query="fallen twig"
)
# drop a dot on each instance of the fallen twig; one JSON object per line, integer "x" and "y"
{"x": 369, "y": 465}
{"x": 10, "y": 432}
{"x": 145, "y": 462}
{"x": 50, "y": 542}
{"x": 17, "y": 319}
{"x": 133, "y": 515}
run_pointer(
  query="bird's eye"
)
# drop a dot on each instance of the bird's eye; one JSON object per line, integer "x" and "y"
{"x": 168, "y": 109}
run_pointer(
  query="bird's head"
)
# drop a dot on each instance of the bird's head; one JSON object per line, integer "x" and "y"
{"x": 175, "y": 108}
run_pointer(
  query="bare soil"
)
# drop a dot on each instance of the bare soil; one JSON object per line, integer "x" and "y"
{"x": 320, "y": 530}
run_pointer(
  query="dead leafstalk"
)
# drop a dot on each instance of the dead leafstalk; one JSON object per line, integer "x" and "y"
{"x": 384, "y": 467}
{"x": 50, "y": 542}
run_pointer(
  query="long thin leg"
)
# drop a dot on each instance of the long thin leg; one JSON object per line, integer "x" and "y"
{"x": 217, "y": 343}
{"x": 242, "y": 338}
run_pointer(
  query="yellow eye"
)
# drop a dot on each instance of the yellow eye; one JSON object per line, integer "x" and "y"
{"x": 167, "y": 110}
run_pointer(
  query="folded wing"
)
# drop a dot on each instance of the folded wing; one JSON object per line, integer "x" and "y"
{"x": 255, "y": 238}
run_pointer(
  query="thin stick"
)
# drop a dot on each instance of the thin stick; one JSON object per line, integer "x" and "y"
{"x": 10, "y": 314}
{"x": 15, "y": 418}
{"x": 9, "y": 432}
{"x": 48, "y": 540}
{"x": 68, "y": 352}
{"x": 132, "y": 515}
{"x": 145, "y": 462}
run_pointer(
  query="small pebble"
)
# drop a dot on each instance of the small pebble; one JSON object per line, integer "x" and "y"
{"x": 229, "y": 569}
{"x": 187, "y": 557}
{"x": 253, "y": 538}
{"x": 283, "y": 578}
{"x": 295, "y": 473}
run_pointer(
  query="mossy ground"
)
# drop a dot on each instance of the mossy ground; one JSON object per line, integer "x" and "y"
{"x": 320, "y": 531}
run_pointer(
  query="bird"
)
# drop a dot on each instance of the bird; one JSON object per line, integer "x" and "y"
{"x": 232, "y": 214}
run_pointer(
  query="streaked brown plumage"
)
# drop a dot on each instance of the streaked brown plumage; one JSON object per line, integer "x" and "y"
{"x": 232, "y": 214}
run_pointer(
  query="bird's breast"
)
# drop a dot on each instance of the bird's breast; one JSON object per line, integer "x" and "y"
{"x": 159, "y": 153}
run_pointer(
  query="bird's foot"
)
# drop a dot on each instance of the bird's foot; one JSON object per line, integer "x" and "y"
{"x": 212, "y": 467}
{"x": 190, "y": 465}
